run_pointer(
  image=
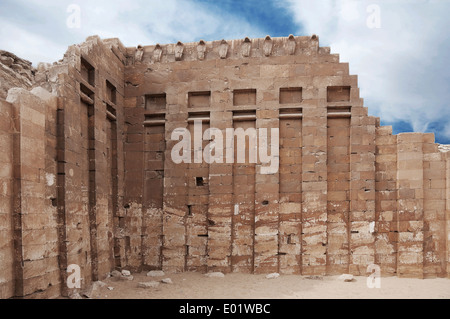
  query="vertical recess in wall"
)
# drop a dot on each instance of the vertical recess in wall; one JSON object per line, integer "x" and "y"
{"x": 290, "y": 179}
{"x": 154, "y": 149}
{"x": 362, "y": 186}
{"x": 196, "y": 224}
{"x": 92, "y": 192}
{"x": 220, "y": 199}
{"x": 267, "y": 194}
{"x": 175, "y": 185}
{"x": 87, "y": 92}
{"x": 447, "y": 212}
{"x": 17, "y": 203}
{"x": 434, "y": 235}
{"x": 129, "y": 239}
{"x": 338, "y": 204}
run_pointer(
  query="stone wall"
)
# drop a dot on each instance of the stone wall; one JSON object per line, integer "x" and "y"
{"x": 67, "y": 154}
{"x": 348, "y": 193}
{"x": 87, "y": 176}
{"x": 30, "y": 250}
{"x": 90, "y": 158}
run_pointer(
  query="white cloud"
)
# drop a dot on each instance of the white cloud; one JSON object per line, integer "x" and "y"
{"x": 133, "y": 22}
{"x": 401, "y": 66}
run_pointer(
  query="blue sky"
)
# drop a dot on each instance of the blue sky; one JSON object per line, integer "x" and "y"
{"x": 401, "y": 63}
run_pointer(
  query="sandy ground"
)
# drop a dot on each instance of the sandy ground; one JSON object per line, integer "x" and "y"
{"x": 245, "y": 286}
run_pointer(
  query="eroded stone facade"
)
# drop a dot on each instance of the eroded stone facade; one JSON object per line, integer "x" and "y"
{"x": 87, "y": 176}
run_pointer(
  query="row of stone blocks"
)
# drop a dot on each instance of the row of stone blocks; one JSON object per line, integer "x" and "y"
{"x": 366, "y": 232}
{"x": 225, "y": 49}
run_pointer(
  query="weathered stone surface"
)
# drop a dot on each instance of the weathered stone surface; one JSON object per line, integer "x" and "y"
{"x": 167, "y": 281}
{"x": 126, "y": 278}
{"x": 87, "y": 176}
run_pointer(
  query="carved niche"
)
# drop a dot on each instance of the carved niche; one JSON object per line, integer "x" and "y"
{"x": 267, "y": 46}
{"x": 223, "y": 49}
{"x": 201, "y": 50}
{"x": 291, "y": 45}
{"x": 179, "y": 49}
{"x": 157, "y": 53}
{"x": 246, "y": 47}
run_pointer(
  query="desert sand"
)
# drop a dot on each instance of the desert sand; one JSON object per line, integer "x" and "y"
{"x": 247, "y": 286}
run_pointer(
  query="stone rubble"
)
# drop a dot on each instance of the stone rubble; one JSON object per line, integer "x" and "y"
{"x": 155, "y": 273}
{"x": 346, "y": 277}
{"x": 126, "y": 273}
{"x": 314, "y": 277}
{"x": 167, "y": 281}
{"x": 148, "y": 285}
{"x": 90, "y": 293}
{"x": 215, "y": 275}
